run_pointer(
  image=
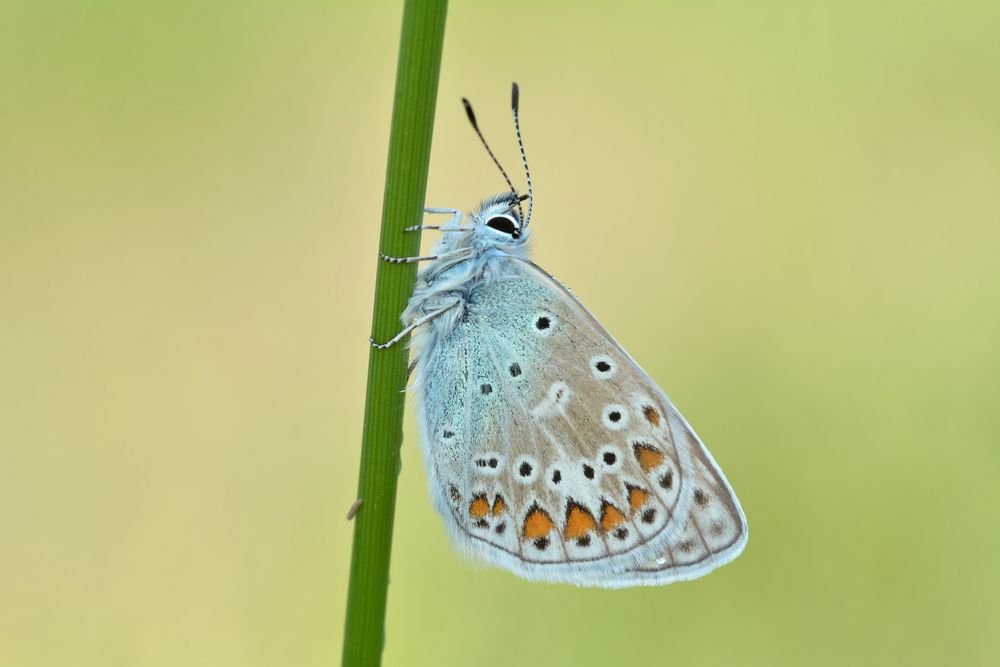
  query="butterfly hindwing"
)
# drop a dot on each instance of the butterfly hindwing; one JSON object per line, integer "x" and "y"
{"x": 714, "y": 533}
{"x": 551, "y": 452}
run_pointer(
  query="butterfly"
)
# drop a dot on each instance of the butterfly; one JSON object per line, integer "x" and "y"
{"x": 549, "y": 451}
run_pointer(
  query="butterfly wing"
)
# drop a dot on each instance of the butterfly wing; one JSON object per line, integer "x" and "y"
{"x": 553, "y": 455}
{"x": 714, "y": 534}
{"x": 715, "y": 527}
{"x": 715, "y": 530}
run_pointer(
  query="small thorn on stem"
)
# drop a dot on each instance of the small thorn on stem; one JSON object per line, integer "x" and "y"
{"x": 352, "y": 512}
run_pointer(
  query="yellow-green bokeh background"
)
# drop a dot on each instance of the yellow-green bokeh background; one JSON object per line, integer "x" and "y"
{"x": 787, "y": 211}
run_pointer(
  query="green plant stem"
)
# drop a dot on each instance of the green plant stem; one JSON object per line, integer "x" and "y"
{"x": 405, "y": 186}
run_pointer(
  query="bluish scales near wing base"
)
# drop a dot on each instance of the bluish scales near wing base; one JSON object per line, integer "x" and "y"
{"x": 549, "y": 451}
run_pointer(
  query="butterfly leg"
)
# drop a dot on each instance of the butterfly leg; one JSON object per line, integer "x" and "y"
{"x": 425, "y": 258}
{"x": 450, "y": 226}
{"x": 455, "y": 214}
{"x": 410, "y": 327}
{"x": 440, "y": 228}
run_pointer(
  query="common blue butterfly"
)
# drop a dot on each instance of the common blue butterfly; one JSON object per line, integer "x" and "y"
{"x": 549, "y": 451}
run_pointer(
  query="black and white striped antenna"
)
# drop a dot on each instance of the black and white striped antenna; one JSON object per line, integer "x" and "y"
{"x": 514, "y": 95}
{"x": 475, "y": 126}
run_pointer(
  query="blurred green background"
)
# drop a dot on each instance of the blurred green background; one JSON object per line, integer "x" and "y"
{"x": 788, "y": 212}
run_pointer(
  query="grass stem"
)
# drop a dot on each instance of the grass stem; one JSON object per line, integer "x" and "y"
{"x": 405, "y": 186}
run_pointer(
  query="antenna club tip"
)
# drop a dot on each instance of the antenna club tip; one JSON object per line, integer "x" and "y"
{"x": 468, "y": 112}
{"x": 514, "y": 96}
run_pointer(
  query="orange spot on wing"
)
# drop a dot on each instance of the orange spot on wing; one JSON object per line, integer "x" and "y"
{"x": 652, "y": 416}
{"x": 479, "y": 507}
{"x": 579, "y": 522}
{"x": 537, "y": 523}
{"x": 637, "y": 498}
{"x": 649, "y": 457}
{"x": 611, "y": 516}
{"x": 498, "y": 506}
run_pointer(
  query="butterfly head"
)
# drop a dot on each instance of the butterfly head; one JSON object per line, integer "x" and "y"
{"x": 497, "y": 221}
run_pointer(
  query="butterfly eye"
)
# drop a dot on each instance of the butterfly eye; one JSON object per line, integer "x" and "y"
{"x": 505, "y": 224}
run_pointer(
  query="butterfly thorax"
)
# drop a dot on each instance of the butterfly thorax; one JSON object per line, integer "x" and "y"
{"x": 476, "y": 254}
